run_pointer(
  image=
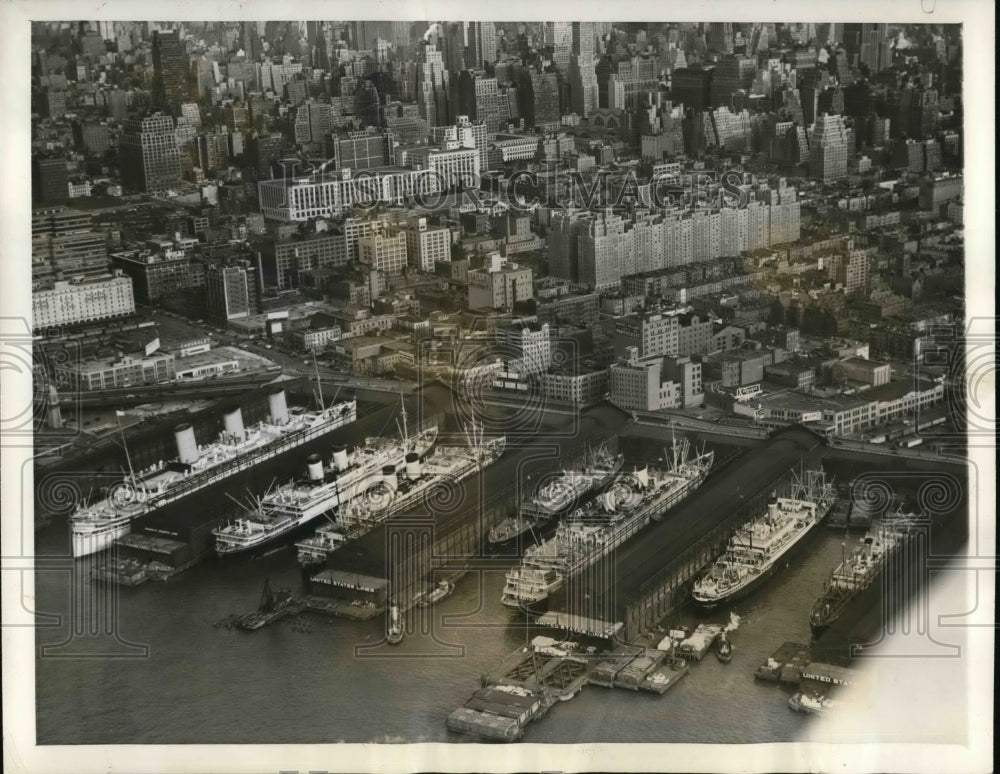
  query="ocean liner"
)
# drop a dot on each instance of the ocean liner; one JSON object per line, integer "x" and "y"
{"x": 388, "y": 496}
{"x": 756, "y": 550}
{"x": 324, "y": 488}
{"x": 857, "y": 572}
{"x": 96, "y": 525}
{"x": 607, "y": 521}
{"x": 558, "y": 496}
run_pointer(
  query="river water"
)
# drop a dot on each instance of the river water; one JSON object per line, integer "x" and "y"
{"x": 312, "y": 680}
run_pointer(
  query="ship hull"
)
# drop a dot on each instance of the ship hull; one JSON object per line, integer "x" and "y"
{"x": 705, "y": 604}
{"x": 88, "y": 543}
{"x": 85, "y": 542}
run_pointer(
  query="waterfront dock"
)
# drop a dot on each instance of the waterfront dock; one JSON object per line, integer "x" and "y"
{"x": 525, "y": 685}
{"x": 785, "y": 665}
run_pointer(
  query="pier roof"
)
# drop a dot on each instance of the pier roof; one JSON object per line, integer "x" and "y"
{"x": 606, "y": 589}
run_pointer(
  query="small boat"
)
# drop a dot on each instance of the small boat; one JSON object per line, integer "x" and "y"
{"x": 723, "y": 649}
{"x": 394, "y": 629}
{"x": 443, "y": 590}
{"x": 811, "y": 704}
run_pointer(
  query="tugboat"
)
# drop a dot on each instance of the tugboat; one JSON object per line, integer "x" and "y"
{"x": 724, "y": 648}
{"x": 443, "y": 590}
{"x": 811, "y": 704}
{"x": 394, "y": 630}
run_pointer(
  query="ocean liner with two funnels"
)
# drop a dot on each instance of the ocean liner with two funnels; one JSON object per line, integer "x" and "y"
{"x": 95, "y": 526}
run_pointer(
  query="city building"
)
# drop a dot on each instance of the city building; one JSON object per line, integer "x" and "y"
{"x": 72, "y": 302}
{"x": 828, "y": 150}
{"x": 499, "y": 285}
{"x": 425, "y": 245}
{"x": 232, "y": 292}
{"x": 383, "y": 252}
{"x": 149, "y": 154}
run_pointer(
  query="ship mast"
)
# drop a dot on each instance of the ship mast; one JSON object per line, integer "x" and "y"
{"x": 319, "y": 384}
{"x": 128, "y": 458}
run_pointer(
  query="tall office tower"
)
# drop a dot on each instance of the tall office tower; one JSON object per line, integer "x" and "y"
{"x": 583, "y": 90}
{"x": 481, "y": 99}
{"x": 482, "y": 45}
{"x": 692, "y": 86}
{"x": 852, "y": 42}
{"x": 149, "y": 157}
{"x": 559, "y": 35}
{"x": 538, "y": 94}
{"x": 170, "y": 71}
{"x": 583, "y": 39}
{"x": 250, "y": 40}
{"x": 432, "y": 96}
{"x": 564, "y": 257}
{"x": 453, "y": 46}
{"x": 725, "y": 81}
{"x": 829, "y": 148}
{"x": 875, "y": 50}
{"x": 50, "y": 180}
{"x": 918, "y": 112}
{"x": 720, "y": 37}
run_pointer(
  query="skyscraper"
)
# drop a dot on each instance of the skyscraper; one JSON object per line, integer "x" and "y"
{"x": 50, "y": 180}
{"x": 559, "y": 35}
{"x": 583, "y": 91}
{"x": 583, "y": 39}
{"x": 482, "y": 44}
{"x": 828, "y": 149}
{"x": 170, "y": 71}
{"x": 149, "y": 157}
{"x": 538, "y": 94}
{"x": 432, "y": 97}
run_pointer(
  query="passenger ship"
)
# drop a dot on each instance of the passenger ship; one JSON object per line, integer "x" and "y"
{"x": 558, "y": 496}
{"x": 594, "y": 531}
{"x": 385, "y": 498}
{"x": 756, "y": 550}
{"x": 324, "y": 488}
{"x": 95, "y": 526}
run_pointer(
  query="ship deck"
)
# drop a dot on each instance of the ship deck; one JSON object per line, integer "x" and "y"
{"x": 639, "y": 559}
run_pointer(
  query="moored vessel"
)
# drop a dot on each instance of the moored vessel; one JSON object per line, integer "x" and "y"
{"x": 858, "y": 571}
{"x": 604, "y": 523}
{"x": 756, "y": 550}
{"x": 557, "y": 497}
{"x": 238, "y": 448}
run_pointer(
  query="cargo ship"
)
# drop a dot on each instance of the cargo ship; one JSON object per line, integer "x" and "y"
{"x": 95, "y": 526}
{"x": 857, "y": 572}
{"x": 390, "y": 495}
{"x": 323, "y": 489}
{"x": 595, "y": 530}
{"x": 558, "y": 497}
{"x": 757, "y": 548}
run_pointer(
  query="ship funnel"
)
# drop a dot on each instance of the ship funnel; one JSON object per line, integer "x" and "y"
{"x": 187, "y": 446}
{"x": 278, "y": 407}
{"x": 868, "y": 543}
{"x": 234, "y": 423}
{"x": 642, "y": 476}
{"x": 389, "y": 476}
{"x": 340, "y": 457}
{"x": 413, "y": 466}
{"x": 772, "y": 507}
{"x": 315, "y": 467}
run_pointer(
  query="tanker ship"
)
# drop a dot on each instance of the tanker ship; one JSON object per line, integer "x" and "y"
{"x": 595, "y": 530}
{"x": 392, "y": 494}
{"x": 96, "y": 525}
{"x": 756, "y": 550}
{"x": 558, "y": 496}
{"x": 324, "y": 488}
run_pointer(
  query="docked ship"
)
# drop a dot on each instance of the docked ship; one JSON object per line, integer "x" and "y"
{"x": 324, "y": 488}
{"x": 596, "y": 529}
{"x": 558, "y": 496}
{"x": 857, "y": 572}
{"x": 757, "y": 548}
{"x": 392, "y": 494}
{"x": 238, "y": 448}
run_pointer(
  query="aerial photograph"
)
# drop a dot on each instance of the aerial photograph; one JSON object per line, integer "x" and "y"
{"x": 498, "y": 382}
